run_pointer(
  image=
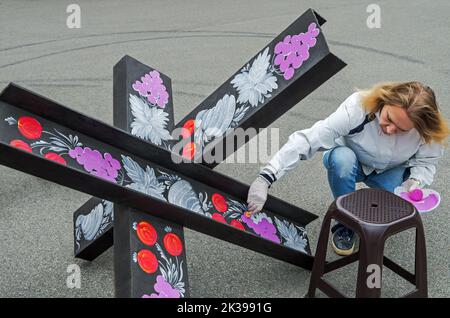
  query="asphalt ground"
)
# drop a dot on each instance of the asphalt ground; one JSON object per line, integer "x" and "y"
{"x": 199, "y": 44}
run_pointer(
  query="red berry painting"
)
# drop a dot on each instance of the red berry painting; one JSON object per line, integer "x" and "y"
{"x": 55, "y": 157}
{"x": 188, "y": 128}
{"x": 29, "y": 127}
{"x": 147, "y": 261}
{"x": 146, "y": 233}
{"x": 219, "y": 202}
{"x": 21, "y": 145}
{"x": 173, "y": 244}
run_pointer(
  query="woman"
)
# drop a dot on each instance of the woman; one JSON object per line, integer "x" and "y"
{"x": 387, "y": 136}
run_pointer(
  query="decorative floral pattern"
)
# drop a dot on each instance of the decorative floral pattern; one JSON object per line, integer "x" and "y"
{"x": 55, "y": 157}
{"x": 149, "y": 123}
{"x": 143, "y": 180}
{"x": 182, "y": 194}
{"x": 295, "y": 236}
{"x": 169, "y": 281}
{"x": 163, "y": 289}
{"x": 188, "y": 128}
{"x": 262, "y": 225}
{"x": 102, "y": 166}
{"x": 214, "y": 122}
{"x": 294, "y": 50}
{"x": 173, "y": 244}
{"x": 91, "y": 225}
{"x": 219, "y": 202}
{"x": 147, "y": 261}
{"x": 29, "y": 127}
{"x": 152, "y": 87}
{"x": 256, "y": 82}
{"x": 21, "y": 145}
{"x": 254, "y": 85}
{"x": 146, "y": 233}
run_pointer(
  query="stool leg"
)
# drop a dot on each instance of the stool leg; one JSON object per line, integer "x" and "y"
{"x": 320, "y": 258}
{"x": 421, "y": 263}
{"x": 370, "y": 253}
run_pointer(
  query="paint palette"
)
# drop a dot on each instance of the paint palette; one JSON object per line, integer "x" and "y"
{"x": 424, "y": 202}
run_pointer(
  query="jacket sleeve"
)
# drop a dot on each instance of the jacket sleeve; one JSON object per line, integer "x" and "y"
{"x": 303, "y": 144}
{"x": 423, "y": 163}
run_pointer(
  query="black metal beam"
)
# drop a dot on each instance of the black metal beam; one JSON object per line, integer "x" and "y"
{"x": 21, "y": 102}
{"x": 319, "y": 67}
{"x": 129, "y": 278}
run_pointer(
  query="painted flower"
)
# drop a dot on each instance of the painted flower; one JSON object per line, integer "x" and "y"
{"x": 21, "y": 145}
{"x": 173, "y": 244}
{"x": 29, "y": 127}
{"x": 294, "y": 50}
{"x": 295, "y": 237}
{"x": 163, "y": 289}
{"x": 146, "y": 233}
{"x": 89, "y": 224}
{"x": 57, "y": 143}
{"x": 189, "y": 150}
{"x": 182, "y": 194}
{"x": 219, "y": 218}
{"x": 149, "y": 123}
{"x": 143, "y": 180}
{"x": 147, "y": 261}
{"x": 219, "y": 202}
{"x": 102, "y": 166}
{"x": 55, "y": 157}
{"x": 237, "y": 225}
{"x": 214, "y": 122}
{"x": 188, "y": 128}
{"x": 256, "y": 83}
{"x": 262, "y": 225}
{"x": 153, "y": 88}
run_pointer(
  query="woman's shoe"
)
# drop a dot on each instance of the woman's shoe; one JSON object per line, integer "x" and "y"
{"x": 343, "y": 240}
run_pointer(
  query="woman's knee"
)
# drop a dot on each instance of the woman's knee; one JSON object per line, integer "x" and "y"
{"x": 341, "y": 160}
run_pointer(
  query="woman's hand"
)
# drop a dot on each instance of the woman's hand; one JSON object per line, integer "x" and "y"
{"x": 257, "y": 195}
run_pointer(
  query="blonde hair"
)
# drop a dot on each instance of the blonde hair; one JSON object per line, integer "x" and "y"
{"x": 419, "y": 101}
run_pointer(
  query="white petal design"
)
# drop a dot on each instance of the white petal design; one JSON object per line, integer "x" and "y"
{"x": 182, "y": 194}
{"x": 90, "y": 223}
{"x": 108, "y": 209}
{"x": 214, "y": 122}
{"x": 143, "y": 180}
{"x": 255, "y": 84}
{"x": 258, "y": 217}
{"x": 149, "y": 123}
{"x": 290, "y": 233}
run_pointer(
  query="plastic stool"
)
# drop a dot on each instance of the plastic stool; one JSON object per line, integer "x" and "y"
{"x": 374, "y": 215}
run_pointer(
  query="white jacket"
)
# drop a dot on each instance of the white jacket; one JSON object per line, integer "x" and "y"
{"x": 375, "y": 150}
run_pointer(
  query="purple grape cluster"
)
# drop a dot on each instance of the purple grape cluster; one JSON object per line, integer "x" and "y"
{"x": 153, "y": 88}
{"x": 105, "y": 167}
{"x": 294, "y": 50}
{"x": 164, "y": 289}
{"x": 263, "y": 228}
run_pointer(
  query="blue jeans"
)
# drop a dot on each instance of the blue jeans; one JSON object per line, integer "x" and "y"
{"x": 344, "y": 171}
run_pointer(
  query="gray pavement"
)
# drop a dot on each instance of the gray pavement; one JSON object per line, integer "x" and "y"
{"x": 199, "y": 44}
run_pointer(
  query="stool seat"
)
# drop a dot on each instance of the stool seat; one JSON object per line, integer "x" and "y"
{"x": 374, "y": 215}
{"x": 375, "y": 206}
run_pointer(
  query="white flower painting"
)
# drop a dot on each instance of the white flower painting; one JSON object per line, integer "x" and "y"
{"x": 214, "y": 122}
{"x": 256, "y": 82}
{"x": 149, "y": 122}
{"x": 294, "y": 236}
{"x": 143, "y": 180}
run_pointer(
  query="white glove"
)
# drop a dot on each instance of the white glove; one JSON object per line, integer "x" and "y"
{"x": 411, "y": 184}
{"x": 257, "y": 195}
